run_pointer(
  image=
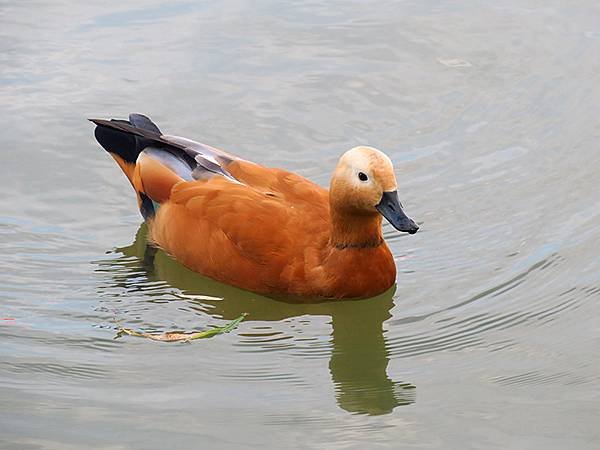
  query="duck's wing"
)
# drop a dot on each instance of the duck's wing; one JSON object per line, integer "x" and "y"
{"x": 189, "y": 159}
{"x": 154, "y": 162}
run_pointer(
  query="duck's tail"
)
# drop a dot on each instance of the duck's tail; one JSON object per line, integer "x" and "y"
{"x": 126, "y": 141}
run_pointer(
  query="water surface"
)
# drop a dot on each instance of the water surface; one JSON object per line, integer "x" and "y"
{"x": 491, "y": 114}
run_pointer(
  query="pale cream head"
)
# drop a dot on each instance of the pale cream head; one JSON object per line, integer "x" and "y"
{"x": 361, "y": 177}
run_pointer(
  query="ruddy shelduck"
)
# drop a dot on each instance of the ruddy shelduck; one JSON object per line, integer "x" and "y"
{"x": 262, "y": 229}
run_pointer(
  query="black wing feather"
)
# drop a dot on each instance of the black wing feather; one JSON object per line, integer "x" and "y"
{"x": 129, "y": 138}
{"x": 128, "y": 141}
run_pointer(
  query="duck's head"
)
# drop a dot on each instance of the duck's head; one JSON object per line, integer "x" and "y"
{"x": 364, "y": 183}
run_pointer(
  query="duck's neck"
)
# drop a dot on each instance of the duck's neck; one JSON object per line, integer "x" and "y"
{"x": 355, "y": 230}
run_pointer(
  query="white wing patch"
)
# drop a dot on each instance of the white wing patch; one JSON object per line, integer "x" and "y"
{"x": 201, "y": 163}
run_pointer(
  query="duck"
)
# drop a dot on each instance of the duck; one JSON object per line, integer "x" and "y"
{"x": 262, "y": 229}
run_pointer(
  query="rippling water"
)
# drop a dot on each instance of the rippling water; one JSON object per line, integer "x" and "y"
{"x": 490, "y": 339}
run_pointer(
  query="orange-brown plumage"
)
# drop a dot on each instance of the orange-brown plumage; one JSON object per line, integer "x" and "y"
{"x": 268, "y": 230}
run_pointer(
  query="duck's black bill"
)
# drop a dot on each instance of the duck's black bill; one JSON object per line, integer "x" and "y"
{"x": 391, "y": 208}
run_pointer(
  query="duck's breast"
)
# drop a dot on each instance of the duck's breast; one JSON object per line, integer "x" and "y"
{"x": 360, "y": 272}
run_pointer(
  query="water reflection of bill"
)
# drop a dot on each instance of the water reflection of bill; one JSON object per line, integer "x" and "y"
{"x": 359, "y": 357}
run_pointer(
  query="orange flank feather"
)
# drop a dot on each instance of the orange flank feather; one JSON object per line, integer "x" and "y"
{"x": 156, "y": 180}
{"x": 265, "y": 230}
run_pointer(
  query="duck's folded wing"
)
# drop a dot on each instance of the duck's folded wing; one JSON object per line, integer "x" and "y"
{"x": 189, "y": 159}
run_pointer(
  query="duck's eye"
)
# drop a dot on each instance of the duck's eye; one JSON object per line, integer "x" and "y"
{"x": 362, "y": 176}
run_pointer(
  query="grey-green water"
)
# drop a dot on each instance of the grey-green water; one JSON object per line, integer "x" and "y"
{"x": 491, "y": 112}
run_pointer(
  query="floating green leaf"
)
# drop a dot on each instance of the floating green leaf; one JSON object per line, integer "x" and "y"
{"x": 182, "y": 336}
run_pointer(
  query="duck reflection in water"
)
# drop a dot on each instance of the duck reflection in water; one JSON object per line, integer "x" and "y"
{"x": 359, "y": 357}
